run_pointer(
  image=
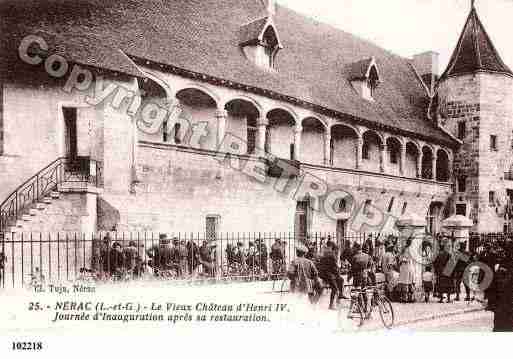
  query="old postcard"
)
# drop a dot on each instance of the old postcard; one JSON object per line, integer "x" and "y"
{"x": 225, "y": 177}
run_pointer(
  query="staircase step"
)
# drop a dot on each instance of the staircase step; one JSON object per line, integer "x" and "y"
{"x": 40, "y": 206}
{"x": 26, "y": 218}
{"x": 55, "y": 195}
{"x": 47, "y": 200}
{"x": 19, "y": 223}
{"x": 33, "y": 212}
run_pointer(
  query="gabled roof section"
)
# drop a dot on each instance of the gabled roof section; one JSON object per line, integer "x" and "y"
{"x": 475, "y": 51}
{"x": 253, "y": 33}
{"x": 361, "y": 70}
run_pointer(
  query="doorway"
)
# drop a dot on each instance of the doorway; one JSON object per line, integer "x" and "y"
{"x": 70, "y": 133}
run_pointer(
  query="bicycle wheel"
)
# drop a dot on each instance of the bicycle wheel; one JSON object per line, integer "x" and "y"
{"x": 354, "y": 314}
{"x": 386, "y": 312}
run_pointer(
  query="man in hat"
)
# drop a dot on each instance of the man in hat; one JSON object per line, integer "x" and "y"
{"x": 104, "y": 260}
{"x": 132, "y": 258}
{"x": 153, "y": 252}
{"x": 262, "y": 255}
{"x": 192, "y": 257}
{"x": 461, "y": 256}
{"x": 239, "y": 256}
{"x": 502, "y": 292}
{"x": 277, "y": 258}
{"x": 329, "y": 273}
{"x": 206, "y": 258}
{"x": 117, "y": 260}
{"x": 178, "y": 257}
{"x": 361, "y": 264}
{"x": 444, "y": 280}
{"x": 303, "y": 275}
{"x": 164, "y": 256}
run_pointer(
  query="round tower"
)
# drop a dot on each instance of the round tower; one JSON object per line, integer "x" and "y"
{"x": 475, "y": 96}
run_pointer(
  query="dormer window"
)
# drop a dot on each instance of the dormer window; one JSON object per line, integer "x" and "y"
{"x": 373, "y": 81}
{"x": 260, "y": 42}
{"x": 364, "y": 77}
{"x": 271, "y": 46}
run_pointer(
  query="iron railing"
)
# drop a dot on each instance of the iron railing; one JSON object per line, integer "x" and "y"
{"x": 54, "y": 258}
{"x": 28, "y": 259}
{"x": 43, "y": 183}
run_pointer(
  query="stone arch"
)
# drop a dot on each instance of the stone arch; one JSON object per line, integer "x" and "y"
{"x": 249, "y": 100}
{"x": 442, "y": 166}
{"x": 313, "y": 140}
{"x": 281, "y": 133}
{"x": 345, "y": 124}
{"x": 318, "y": 119}
{"x": 242, "y": 121}
{"x": 197, "y": 108}
{"x": 203, "y": 89}
{"x": 153, "y": 110}
{"x": 344, "y": 146}
{"x": 394, "y": 155}
{"x": 372, "y": 144}
{"x": 287, "y": 109}
{"x": 162, "y": 83}
{"x": 411, "y": 163}
{"x": 427, "y": 162}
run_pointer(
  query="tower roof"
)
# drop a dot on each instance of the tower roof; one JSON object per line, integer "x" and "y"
{"x": 475, "y": 51}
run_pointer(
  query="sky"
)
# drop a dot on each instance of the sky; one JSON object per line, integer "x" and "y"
{"x": 408, "y": 27}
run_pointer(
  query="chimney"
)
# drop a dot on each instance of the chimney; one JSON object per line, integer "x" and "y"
{"x": 427, "y": 67}
{"x": 270, "y": 6}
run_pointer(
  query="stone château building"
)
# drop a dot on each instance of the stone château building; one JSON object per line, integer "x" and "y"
{"x": 328, "y": 105}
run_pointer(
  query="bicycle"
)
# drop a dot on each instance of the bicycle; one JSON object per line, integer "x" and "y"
{"x": 363, "y": 302}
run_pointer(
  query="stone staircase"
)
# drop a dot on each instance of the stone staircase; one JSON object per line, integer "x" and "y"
{"x": 31, "y": 214}
{"x": 59, "y": 198}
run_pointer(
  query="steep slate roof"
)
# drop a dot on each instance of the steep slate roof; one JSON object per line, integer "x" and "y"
{"x": 203, "y": 36}
{"x": 475, "y": 51}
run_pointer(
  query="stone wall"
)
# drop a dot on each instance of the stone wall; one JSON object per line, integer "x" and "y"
{"x": 34, "y": 128}
{"x": 484, "y": 102}
{"x": 72, "y": 212}
{"x": 180, "y": 187}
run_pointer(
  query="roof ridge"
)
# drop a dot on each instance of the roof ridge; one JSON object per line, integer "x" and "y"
{"x": 468, "y": 57}
{"x": 338, "y": 29}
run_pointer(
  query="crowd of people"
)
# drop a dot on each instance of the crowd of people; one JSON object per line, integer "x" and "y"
{"x": 443, "y": 269}
{"x": 167, "y": 258}
{"x": 254, "y": 259}
{"x": 176, "y": 258}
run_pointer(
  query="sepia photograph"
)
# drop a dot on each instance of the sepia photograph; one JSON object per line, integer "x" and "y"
{"x": 256, "y": 173}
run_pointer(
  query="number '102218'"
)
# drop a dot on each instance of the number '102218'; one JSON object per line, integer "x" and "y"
{"x": 27, "y": 345}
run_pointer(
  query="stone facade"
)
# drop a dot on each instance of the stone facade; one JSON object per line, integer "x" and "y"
{"x": 476, "y": 107}
{"x": 180, "y": 184}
